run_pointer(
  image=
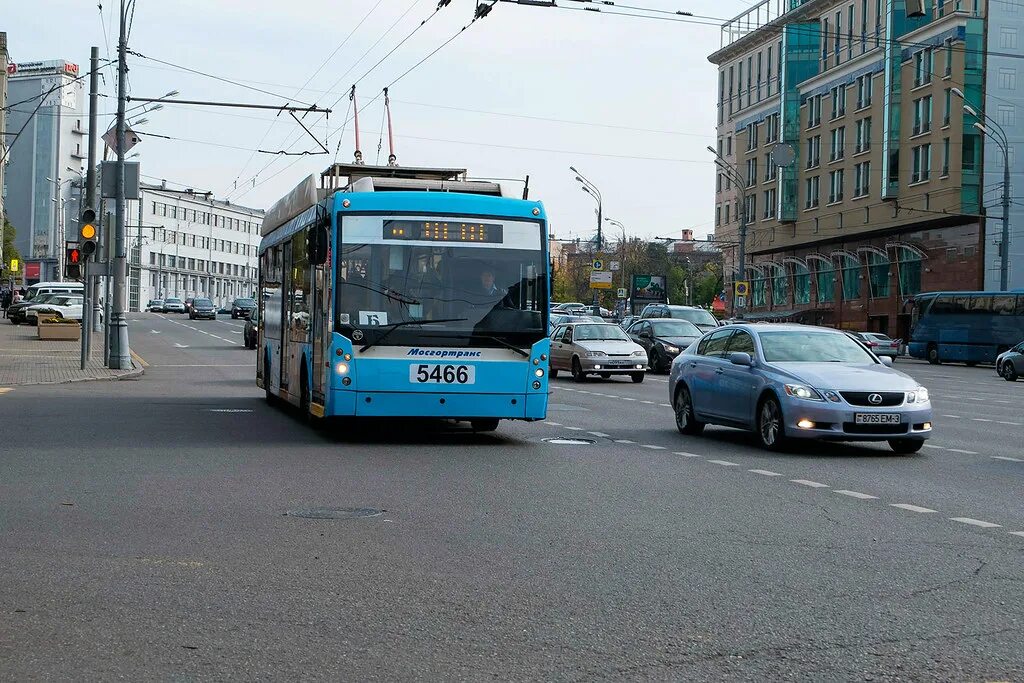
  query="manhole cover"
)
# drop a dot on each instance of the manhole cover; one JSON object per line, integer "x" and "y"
{"x": 569, "y": 441}
{"x": 334, "y": 513}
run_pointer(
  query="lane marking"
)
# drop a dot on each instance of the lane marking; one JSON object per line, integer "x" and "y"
{"x": 664, "y": 405}
{"x": 938, "y": 448}
{"x": 952, "y": 416}
{"x": 230, "y": 410}
{"x": 575, "y": 429}
{"x": 1007, "y": 458}
{"x": 653, "y": 448}
{"x": 1015, "y": 424}
{"x": 960, "y": 450}
{"x": 553, "y": 424}
{"x": 981, "y": 419}
{"x": 974, "y": 522}
{"x": 601, "y": 434}
{"x": 911, "y": 508}
{"x": 687, "y": 455}
{"x": 765, "y": 473}
{"x": 1016, "y": 533}
{"x": 650, "y": 403}
{"x": 856, "y": 494}
{"x": 138, "y": 359}
{"x": 180, "y": 346}
{"x": 808, "y": 482}
{"x": 624, "y": 441}
{"x": 725, "y": 463}
{"x": 626, "y": 398}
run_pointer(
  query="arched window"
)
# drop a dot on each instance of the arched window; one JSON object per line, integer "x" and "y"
{"x": 910, "y": 271}
{"x": 801, "y": 284}
{"x": 878, "y": 275}
{"x": 780, "y": 285}
{"x": 851, "y": 278}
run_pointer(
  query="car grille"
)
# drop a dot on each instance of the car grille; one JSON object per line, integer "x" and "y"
{"x": 854, "y": 428}
{"x": 860, "y": 398}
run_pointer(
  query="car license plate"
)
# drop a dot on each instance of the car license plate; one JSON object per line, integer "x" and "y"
{"x": 876, "y": 419}
{"x": 442, "y": 373}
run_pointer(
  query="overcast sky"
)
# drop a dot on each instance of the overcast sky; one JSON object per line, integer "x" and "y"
{"x": 608, "y": 76}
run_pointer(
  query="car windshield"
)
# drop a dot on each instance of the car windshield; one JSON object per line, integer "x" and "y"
{"x": 878, "y": 337}
{"x": 812, "y": 347}
{"x": 202, "y": 302}
{"x": 697, "y": 316}
{"x": 173, "y": 301}
{"x": 604, "y": 332}
{"x": 486, "y": 279}
{"x": 66, "y": 300}
{"x": 675, "y": 328}
{"x": 245, "y": 302}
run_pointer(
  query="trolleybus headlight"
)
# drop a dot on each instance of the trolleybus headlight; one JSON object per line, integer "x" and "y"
{"x": 341, "y": 368}
{"x": 539, "y": 372}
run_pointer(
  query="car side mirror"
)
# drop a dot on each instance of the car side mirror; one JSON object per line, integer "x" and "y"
{"x": 646, "y": 334}
{"x": 741, "y": 358}
{"x": 886, "y": 361}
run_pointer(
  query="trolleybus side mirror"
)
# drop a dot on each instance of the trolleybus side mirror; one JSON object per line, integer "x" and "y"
{"x": 317, "y": 242}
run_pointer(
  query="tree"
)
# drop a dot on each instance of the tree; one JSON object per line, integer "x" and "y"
{"x": 10, "y": 252}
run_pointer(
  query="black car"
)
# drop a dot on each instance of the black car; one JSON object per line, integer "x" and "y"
{"x": 249, "y": 332}
{"x": 701, "y": 317}
{"x": 202, "y": 308}
{"x": 242, "y": 308}
{"x": 16, "y": 312}
{"x": 663, "y": 339}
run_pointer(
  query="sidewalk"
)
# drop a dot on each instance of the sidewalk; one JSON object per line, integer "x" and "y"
{"x": 25, "y": 359}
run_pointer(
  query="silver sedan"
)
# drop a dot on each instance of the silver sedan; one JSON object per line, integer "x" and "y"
{"x": 586, "y": 348}
{"x": 797, "y": 382}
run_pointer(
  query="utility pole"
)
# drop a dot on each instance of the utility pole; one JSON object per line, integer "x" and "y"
{"x": 120, "y": 353}
{"x": 741, "y": 186}
{"x": 591, "y": 189}
{"x": 89, "y": 290}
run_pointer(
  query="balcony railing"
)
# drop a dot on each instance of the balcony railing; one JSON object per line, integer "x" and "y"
{"x": 759, "y": 15}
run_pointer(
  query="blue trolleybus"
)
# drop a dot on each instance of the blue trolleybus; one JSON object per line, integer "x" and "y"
{"x": 404, "y": 292}
{"x": 965, "y": 327}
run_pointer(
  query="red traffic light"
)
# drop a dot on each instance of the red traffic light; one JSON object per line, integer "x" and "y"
{"x": 74, "y": 255}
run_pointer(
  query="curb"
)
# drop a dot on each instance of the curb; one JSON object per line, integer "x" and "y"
{"x": 135, "y": 373}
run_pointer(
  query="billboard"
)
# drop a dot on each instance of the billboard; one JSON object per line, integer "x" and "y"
{"x": 648, "y": 289}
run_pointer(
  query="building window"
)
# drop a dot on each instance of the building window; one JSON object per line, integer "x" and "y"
{"x": 718, "y": 182}
{"x": 759, "y": 73}
{"x": 769, "y": 204}
{"x": 949, "y": 58}
{"x": 1008, "y": 79}
{"x": 1008, "y": 38}
{"x": 727, "y": 219}
{"x": 757, "y": 292}
{"x": 780, "y": 287}
{"x": 864, "y": 86}
{"x": 152, "y": 258}
{"x": 863, "y": 142}
{"x": 835, "y": 186}
{"x": 730, "y": 89}
{"x": 838, "y": 150}
{"x": 838, "y": 36}
{"x": 851, "y": 279}
{"x": 751, "y": 172}
{"x": 751, "y": 137}
{"x": 771, "y": 128}
{"x": 970, "y": 152}
{"x": 861, "y": 176}
{"x": 849, "y": 33}
{"x": 923, "y": 62}
{"x": 813, "y": 151}
{"x": 768, "y": 78}
{"x": 878, "y": 276}
{"x": 728, "y": 145}
{"x": 801, "y": 284}
{"x": 909, "y": 264}
{"x": 922, "y": 115}
{"x": 945, "y": 156}
{"x": 922, "y": 155}
{"x": 718, "y": 215}
{"x": 811, "y": 191}
{"x": 863, "y": 25}
{"x": 770, "y": 169}
{"x": 838, "y": 101}
{"x": 824, "y": 44}
{"x": 751, "y": 214}
{"x": 825, "y": 278}
{"x": 1007, "y": 114}
{"x": 814, "y": 111}
{"x": 947, "y": 106}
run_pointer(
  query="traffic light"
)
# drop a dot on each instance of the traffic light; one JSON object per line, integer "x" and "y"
{"x": 87, "y": 233}
{"x": 73, "y": 263}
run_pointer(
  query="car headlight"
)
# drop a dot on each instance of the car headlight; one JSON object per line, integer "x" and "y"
{"x": 640, "y": 353}
{"x": 801, "y": 391}
{"x": 671, "y": 349}
{"x": 596, "y": 354}
{"x": 919, "y": 395}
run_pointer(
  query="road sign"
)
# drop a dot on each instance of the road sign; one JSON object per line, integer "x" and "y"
{"x": 598, "y": 264}
{"x": 742, "y": 288}
{"x": 741, "y": 302}
{"x": 131, "y": 139}
{"x": 600, "y": 280}
{"x": 613, "y": 265}
{"x": 621, "y": 293}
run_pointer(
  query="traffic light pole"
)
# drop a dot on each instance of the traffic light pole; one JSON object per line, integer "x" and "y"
{"x": 120, "y": 353}
{"x": 90, "y": 198}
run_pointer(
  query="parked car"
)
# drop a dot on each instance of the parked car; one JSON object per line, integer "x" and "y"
{"x": 627, "y": 321}
{"x": 797, "y": 382}
{"x": 67, "y": 306}
{"x": 880, "y": 344}
{"x": 561, "y": 319}
{"x": 701, "y": 317}
{"x": 1010, "y": 364}
{"x": 250, "y": 335}
{"x": 174, "y": 305}
{"x": 572, "y": 309}
{"x": 603, "y": 349}
{"x": 242, "y": 308}
{"x": 16, "y": 312}
{"x": 202, "y": 308}
{"x": 155, "y": 306}
{"x": 663, "y": 340}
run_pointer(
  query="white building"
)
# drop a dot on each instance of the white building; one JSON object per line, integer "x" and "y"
{"x": 188, "y": 244}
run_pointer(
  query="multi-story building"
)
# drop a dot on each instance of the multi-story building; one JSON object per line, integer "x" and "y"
{"x": 189, "y": 244}
{"x": 862, "y": 178}
{"x": 38, "y": 183}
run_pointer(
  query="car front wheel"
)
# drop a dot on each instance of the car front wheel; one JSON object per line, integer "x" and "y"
{"x": 1009, "y": 372}
{"x": 905, "y": 446}
{"x": 686, "y": 421}
{"x": 637, "y": 377}
{"x": 771, "y": 431}
{"x": 577, "y": 371}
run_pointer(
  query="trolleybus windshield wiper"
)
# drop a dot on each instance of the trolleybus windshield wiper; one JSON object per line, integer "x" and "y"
{"x": 499, "y": 340}
{"x": 394, "y": 326}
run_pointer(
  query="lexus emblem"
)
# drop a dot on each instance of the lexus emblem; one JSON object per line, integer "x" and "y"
{"x": 874, "y": 399}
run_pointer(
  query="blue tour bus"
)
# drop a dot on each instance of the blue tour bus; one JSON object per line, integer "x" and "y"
{"x": 965, "y": 327}
{"x": 404, "y": 292}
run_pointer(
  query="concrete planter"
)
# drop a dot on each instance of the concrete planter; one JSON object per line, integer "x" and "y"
{"x": 59, "y": 331}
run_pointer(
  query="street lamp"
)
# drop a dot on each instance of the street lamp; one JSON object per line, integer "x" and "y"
{"x": 591, "y": 189}
{"x": 741, "y": 187}
{"x": 1003, "y": 143}
{"x": 622, "y": 250}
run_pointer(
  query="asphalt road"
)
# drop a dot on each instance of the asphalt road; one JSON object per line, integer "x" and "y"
{"x": 147, "y": 531}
